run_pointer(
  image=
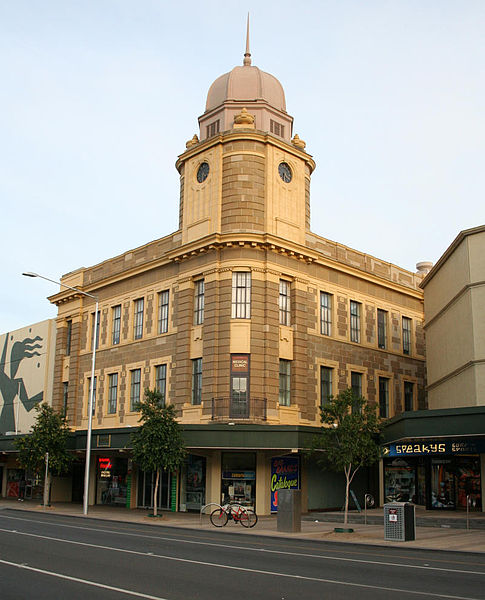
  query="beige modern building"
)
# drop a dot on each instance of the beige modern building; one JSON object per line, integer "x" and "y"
{"x": 454, "y": 310}
{"x": 243, "y": 318}
{"x": 437, "y": 456}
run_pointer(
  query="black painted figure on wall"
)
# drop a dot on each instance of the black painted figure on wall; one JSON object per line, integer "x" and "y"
{"x": 10, "y": 386}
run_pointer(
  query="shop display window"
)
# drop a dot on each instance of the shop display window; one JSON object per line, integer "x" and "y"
{"x": 112, "y": 474}
{"x": 400, "y": 481}
{"x": 239, "y": 478}
{"x": 192, "y": 488}
{"x": 146, "y": 486}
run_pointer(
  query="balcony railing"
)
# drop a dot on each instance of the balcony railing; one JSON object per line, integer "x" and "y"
{"x": 236, "y": 409}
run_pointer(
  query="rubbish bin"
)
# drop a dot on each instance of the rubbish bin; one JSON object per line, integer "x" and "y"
{"x": 399, "y": 522}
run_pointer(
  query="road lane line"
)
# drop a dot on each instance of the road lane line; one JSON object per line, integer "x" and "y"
{"x": 268, "y": 551}
{"x": 247, "y": 570}
{"x": 83, "y": 581}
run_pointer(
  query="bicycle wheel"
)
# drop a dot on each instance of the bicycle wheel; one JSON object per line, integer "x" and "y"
{"x": 218, "y": 517}
{"x": 248, "y": 518}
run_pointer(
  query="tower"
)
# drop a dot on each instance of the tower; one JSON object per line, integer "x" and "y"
{"x": 244, "y": 173}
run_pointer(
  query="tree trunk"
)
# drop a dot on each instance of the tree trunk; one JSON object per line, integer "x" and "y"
{"x": 347, "y": 488}
{"x": 155, "y": 493}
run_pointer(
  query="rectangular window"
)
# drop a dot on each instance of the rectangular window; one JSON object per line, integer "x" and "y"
{"x": 94, "y": 395}
{"x": 284, "y": 302}
{"x": 406, "y": 335}
{"x": 325, "y": 313}
{"x": 285, "y": 373}
{"x": 241, "y": 295}
{"x": 199, "y": 291}
{"x": 383, "y": 397}
{"x": 68, "y": 337}
{"x": 161, "y": 381}
{"x": 355, "y": 321}
{"x": 408, "y": 395}
{"x": 138, "y": 322}
{"x": 381, "y": 328}
{"x": 65, "y": 397}
{"x": 115, "y": 338}
{"x": 356, "y": 385}
{"x": 163, "y": 298}
{"x": 97, "y": 329}
{"x": 197, "y": 381}
{"x": 276, "y": 128}
{"x": 112, "y": 393}
{"x": 326, "y": 376}
{"x": 213, "y": 128}
{"x": 135, "y": 389}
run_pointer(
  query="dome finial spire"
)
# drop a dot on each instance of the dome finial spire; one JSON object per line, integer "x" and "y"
{"x": 247, "y": 54}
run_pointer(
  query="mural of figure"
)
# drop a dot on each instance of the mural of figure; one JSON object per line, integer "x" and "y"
{"x": 12, "y": 386}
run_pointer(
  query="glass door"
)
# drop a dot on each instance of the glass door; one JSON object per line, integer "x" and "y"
{"x": 239, "y": 403}
{"x": 443, "y": 494}
{"x": 239, "y": 398}
{"x": 146, "y": 486}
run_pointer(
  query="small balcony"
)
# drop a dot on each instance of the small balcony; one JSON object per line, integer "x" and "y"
{"x": 238, "y": 409}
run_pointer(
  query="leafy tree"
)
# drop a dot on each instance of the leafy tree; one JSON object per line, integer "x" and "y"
{"x": 49, "y": 434}
{"x": 349, "y": 438}
{"x": 158, "y": 443}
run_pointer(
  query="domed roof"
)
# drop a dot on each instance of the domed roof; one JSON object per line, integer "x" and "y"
{"x": 246, "y": 83}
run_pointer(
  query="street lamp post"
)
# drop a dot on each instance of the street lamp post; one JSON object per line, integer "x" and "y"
{"x": 91, "y": 388}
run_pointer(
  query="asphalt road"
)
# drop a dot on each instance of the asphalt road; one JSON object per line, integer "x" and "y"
{"x": 50, "y": 557}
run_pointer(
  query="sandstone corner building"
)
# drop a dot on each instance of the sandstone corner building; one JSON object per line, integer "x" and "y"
{"x": 244, "y": 319}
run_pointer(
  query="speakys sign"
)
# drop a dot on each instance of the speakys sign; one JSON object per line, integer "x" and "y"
{"x": 285, "y": 475}
{"x": 436, "y": 447}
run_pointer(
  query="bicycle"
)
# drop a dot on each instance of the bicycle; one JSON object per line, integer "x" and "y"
{"x": 239, "y": 514}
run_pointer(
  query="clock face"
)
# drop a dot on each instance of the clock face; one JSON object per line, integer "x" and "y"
{"x": 285, "y": 172}
{"x": 203, "y": 172}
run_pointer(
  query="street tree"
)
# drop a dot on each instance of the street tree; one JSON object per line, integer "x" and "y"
{"x": 157, "y": 444}
{"x": 45, "y": 446}
{"x": 349, "y": 438}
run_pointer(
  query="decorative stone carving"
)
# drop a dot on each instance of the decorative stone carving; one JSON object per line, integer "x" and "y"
{"x": 193, "y": 142}
{"x": 244, "y": 120}
{"x": 296, "y": 141}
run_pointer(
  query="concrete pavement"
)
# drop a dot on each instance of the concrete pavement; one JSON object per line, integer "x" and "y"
{"x": 437, "y": 534}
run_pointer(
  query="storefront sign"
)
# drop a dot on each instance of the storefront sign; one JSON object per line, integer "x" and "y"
{"x": 104, "y": 467}
{"x": 238, "y": 475}
{"x": 285, "y": 475}
{"x": 435, "y": 447}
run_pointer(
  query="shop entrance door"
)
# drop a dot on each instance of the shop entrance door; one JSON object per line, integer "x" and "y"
{"x": 443, "y": 488}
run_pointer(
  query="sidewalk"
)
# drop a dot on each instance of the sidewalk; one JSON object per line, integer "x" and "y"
{"x": 434, "y": 536}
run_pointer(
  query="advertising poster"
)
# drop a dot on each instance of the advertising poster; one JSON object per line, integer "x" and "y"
{"x": 285, "y": 475}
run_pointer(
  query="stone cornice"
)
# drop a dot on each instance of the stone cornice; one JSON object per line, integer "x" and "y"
{"x": 244, "y": 135}
{"x": 219, "y": 242}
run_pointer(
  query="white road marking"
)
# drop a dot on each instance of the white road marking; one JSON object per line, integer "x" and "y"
{"x": 236, "y": 547}
{"x": 246, "y": 570}
{"x": 83, "y": 581}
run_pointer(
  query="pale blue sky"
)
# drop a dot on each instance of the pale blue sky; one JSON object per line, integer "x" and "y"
{"x": 98, "y": 97}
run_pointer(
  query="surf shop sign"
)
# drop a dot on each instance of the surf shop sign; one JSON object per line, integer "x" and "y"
{"x": 285, "y": 475}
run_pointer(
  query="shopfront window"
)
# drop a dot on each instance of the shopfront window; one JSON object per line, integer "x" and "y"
{"x": 192, "y": 483}
{"x": 239, "y": 478}
{"x": 146, "y": 487}
{"x": 112, "y": 476}
{"x": 454, "y": 480}
{"x": 400, "y": 480}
